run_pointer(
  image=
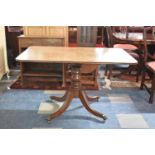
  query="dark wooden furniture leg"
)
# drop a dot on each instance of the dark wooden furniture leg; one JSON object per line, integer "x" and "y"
{"x": 64, "y": 75}
{"x": 152, "y": 89}
{"x": 110, "y": 71}
{"x": 59, "y": 99}
{"x": 91, "y": 98}
{"x": 143, "y": 85}
{"x": 143, "y": 79}
{"x": 21, "y": 73}
{"x": 76, "y": 91}
{"x": 85, "y": 103}
{"x": 63, "y": 108}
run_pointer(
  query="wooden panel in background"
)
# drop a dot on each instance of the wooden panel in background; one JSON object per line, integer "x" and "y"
{"x": 35, "y": 31}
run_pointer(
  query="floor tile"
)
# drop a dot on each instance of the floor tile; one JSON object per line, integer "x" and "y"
{"x": 132, "y": 121}
{"x": 150, "y": 119}
{"x": 49, "y": 107}
{"x": 120, "y": 98}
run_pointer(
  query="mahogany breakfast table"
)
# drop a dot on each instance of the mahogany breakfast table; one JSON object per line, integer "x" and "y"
{"x": 75, "y": 56}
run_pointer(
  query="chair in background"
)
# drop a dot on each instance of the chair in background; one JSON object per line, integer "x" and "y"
{"x": 126, "y": 45}
{"x": 149, "y": 64}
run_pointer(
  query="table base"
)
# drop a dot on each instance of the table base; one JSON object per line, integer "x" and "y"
{"x": 75, "y": 91}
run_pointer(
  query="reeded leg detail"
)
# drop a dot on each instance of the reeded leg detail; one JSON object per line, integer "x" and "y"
{"x": 63, "y": 108}
{"x": 85, "y": 103}
{"x": 59, "y": 99}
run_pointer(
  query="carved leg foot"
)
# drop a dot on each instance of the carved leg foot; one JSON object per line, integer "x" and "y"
{"x": 63, "y": 108}
{"x": 59, "y": 99}
{"x": 85, "y": 103}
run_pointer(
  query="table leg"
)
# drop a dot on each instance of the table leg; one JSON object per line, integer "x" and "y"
{"x": 91, "y": 98}
{"x": 63, "y": 76}
{"x": 59, "y": 99}
{"x": 21, "y": 73}
{"x": 85, "y": 103}
{"x": 63, "y": 108}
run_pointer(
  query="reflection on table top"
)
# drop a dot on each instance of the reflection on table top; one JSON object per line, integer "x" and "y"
{"x": 81, "y": 55}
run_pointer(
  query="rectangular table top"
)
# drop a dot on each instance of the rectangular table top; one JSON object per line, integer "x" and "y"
{"x": 79, "y": 55}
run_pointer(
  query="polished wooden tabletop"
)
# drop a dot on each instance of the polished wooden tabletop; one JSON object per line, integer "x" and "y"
{"x": 80, "y": 55}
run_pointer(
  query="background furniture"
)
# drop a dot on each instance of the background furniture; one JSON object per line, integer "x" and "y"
{"x": 124, "y": 43}
{"x": 43, "y": 36}
{"x": 72, "y": 32}
{"x": 149, "y": 64}
{"x": 47, "y": 31}
{"x": 58, "y": 36}
{"x": 26, "y": 41}
{"x": 89, "y": 75}
{"x": 86, "y": 37}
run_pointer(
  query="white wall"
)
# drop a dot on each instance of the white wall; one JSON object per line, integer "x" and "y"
{"x": 3, "y": 54}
